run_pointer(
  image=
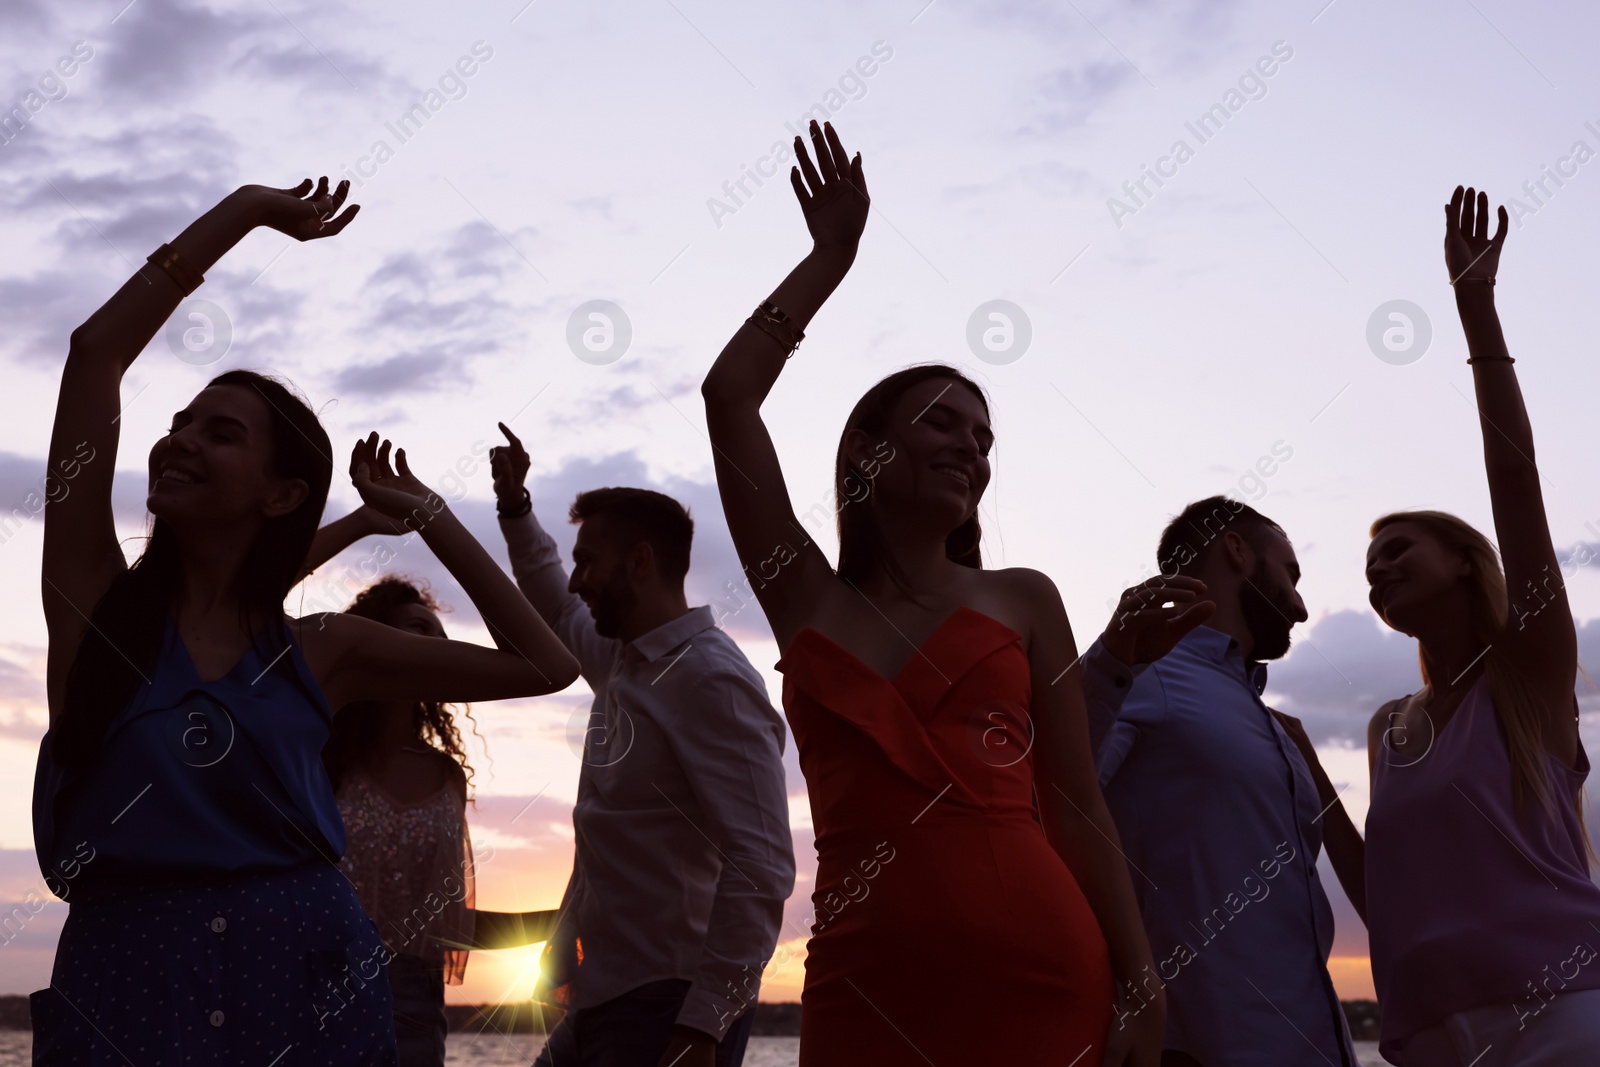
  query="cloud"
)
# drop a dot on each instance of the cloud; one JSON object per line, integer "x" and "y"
{"x": 1340, "y": 673}
{"x": 407, "y": 372}
{"x": 23, "y": 710}
{"x": 163, "y": 50}
{"x": 449, "y": 299}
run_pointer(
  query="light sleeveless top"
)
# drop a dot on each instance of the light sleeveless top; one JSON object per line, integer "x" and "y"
{"x": 411, "y": 866}
{"x": 1468, "y": 903}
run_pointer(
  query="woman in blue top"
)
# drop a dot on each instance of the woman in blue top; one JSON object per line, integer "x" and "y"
{"x": 180, "y": 800}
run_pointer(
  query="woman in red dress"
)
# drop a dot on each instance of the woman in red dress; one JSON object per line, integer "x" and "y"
{"x": 972, "y": 904}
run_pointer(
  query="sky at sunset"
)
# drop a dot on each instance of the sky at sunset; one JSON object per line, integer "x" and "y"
{"x": 1187, "y": 247}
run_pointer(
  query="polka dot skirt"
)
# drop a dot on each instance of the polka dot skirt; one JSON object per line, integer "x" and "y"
{"x": 272, "y": 970}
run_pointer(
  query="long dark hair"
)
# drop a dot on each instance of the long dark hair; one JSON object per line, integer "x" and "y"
{"x": 861, "y": 542}
{"x": 124, "y": 636}
{"x": 356, "y": 725}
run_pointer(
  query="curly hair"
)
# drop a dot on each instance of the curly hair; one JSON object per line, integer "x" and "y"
{"x": 357, "y": 724}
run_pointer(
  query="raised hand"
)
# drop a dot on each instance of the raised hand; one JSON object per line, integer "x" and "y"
{"x": 303, "y": 217}
{"x": 398, "y": 495}
{"x": 834, "y": 192}
{"x": 1153, "y": 616}
{"x": 1469, "y": 252}
{"x": 509, "y": 465}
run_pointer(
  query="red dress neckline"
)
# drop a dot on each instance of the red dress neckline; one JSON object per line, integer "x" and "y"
{"x": 919, "y": 654}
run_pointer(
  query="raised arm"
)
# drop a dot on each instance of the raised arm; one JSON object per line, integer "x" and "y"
{"x": 1347, "y": 851}
{"x": 1079, "y": 826}
{"x": 1152, "y": 617}
{"x": 359, "y": 659}
{"x": 536, "y": 563}
{"x": 81, "y": 554}
{"x": 334, "y": 537}
{"x": 1540, "y": 638}
{"x": 833, "y": 196}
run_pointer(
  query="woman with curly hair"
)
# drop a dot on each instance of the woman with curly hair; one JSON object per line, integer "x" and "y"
{"x": 400, "y": 774}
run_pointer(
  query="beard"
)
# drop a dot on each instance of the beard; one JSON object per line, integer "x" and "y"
{"x": 1266, "y": 618}
{"x": 615, "y": 599}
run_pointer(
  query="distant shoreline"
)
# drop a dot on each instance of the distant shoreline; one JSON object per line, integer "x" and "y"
{"x": 772, "y": 1020}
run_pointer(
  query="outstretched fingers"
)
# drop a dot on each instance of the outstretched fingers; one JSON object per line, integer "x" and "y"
{"x": 334, "y": 225}
{"x": 857, "y": 177}
{"x": 385, "y": 470}
{"x": 826, "y": 164}
{"x": 809, "y": 172}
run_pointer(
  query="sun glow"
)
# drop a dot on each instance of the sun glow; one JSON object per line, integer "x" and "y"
{"x": 505, "y": 976}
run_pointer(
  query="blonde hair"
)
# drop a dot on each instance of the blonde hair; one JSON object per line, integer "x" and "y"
{"x": 1515, "y": 703}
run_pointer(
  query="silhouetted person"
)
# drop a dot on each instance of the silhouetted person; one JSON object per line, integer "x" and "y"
{"x": 1482, "y": 913}
{"x": 681, "y": 828}
{"x": 1220, "y": 814}
{"x": 960, "y": 832}
{"x": 180, "y": 797}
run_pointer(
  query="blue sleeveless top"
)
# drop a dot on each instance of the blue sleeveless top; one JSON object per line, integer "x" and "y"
{"x": 197, "y": 780}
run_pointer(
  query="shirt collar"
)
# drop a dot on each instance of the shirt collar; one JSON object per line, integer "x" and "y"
{"x": 1221, "y": 648}
{"x": 669, "y": 635}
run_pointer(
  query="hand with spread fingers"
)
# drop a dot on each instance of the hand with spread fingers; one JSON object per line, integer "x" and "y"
{"x": 1469, "y": 252}
{"x": 1153, "y": 616}
{"x": 833, "y": 192}
{"x": 393, "y": 492}
{"x": 303, "y": 217}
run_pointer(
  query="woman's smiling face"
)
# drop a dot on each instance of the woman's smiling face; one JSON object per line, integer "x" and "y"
{"x": 940, "y": 432}
{"x": 215, "y": 463}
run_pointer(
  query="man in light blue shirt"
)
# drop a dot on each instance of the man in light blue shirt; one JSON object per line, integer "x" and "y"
{"x": 1218, "y": 813}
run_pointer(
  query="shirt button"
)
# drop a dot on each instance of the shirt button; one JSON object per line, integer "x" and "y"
{"x": 218, "y": 925}
{"x": 216, "y": 1018}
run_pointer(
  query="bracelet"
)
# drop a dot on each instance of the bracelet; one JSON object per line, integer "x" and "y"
{"x": 780, "y": 327}
{"x": 1474, "y": 281}
{"x": 783, "y": 342}
{"x": 521, "y": 509}
{"x": 178, "y": 269}
{"x": 1489, "y": 359}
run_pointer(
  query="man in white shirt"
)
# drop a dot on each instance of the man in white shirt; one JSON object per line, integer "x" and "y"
{"x": 683, "y": 854}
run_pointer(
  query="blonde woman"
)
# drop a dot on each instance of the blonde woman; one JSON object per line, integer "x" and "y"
{"x": 1479, "y": 904}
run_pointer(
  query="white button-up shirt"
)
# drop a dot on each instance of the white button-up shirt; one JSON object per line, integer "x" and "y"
{"x": 683, "y": 854}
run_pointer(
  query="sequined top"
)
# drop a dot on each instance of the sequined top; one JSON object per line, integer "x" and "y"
{"x": 411, "y": 865}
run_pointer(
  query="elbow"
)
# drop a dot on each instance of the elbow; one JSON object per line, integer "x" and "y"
{"x": 722, "y": 391}
{"x": 83, "y": 345}
{"x": 564, "y": 674}
{"x": 714, "y": 390}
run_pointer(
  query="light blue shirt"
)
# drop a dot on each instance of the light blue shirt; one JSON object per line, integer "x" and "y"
{"x": 1220, "y": 823}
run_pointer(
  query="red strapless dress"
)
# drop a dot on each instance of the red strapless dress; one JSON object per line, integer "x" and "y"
{"x": 947, "y": 929}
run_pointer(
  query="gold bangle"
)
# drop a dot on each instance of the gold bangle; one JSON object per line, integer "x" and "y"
{"x": 178, "y": 269}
